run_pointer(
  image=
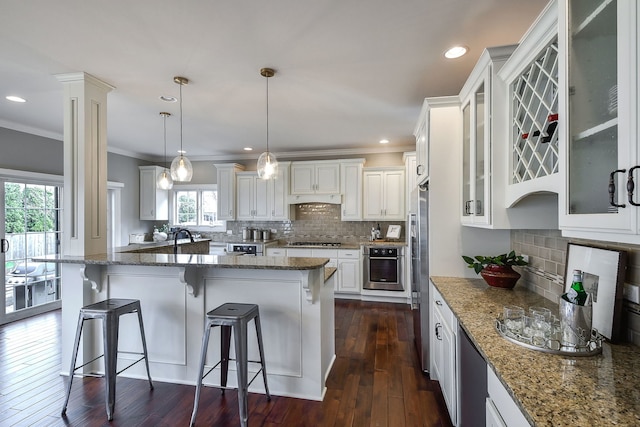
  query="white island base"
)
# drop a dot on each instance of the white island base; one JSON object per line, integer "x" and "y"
{"x": 296, "y": 312}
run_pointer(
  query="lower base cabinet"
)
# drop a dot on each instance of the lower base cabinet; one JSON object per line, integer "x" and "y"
{"x": 501, "y": 410}
{"x": 444, "y": 351}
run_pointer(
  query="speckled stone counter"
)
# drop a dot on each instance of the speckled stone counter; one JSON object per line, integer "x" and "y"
{"x": 550, "y": 390}
{"x": 192, "y": 260}
{"x": 165, "y": 246}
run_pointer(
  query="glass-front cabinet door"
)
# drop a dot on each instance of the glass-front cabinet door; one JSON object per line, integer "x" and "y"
{"x": 476, "y": 155}
{"x": 598, "y": 47}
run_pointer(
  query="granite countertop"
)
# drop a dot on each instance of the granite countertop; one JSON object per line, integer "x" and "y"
{"x": 328, "y": 272}
{"x": 188, "y": 260}
{"x": 148, "y": 245}
{"x": 550, "y": 390}
{"x": 344, "y": 245}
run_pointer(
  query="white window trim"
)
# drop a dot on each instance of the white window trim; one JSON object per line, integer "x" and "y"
{"x": 193, "y": 187}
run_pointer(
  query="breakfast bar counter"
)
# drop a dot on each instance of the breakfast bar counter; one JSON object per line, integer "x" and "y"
{"x": 550, "y": 390}
{"x": 294, "y": 295}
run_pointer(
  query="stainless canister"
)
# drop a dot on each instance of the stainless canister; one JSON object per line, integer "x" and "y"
{"x": 266, "y": 235}
{"x": 575, "y": 323}
{"x": 246, "y": 233}
{"x": 255, "y": 234}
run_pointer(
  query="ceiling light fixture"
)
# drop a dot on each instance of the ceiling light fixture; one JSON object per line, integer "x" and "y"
{"x": 168, "y": 98}
{"x": 181, "y": 168}
{"x": 164, "y": 181}
{"x": 384, "y": 141}
{"x": 14, "y": 98}
{"x": 267, "y": 162}
{"x": 456, "y": 52}
{"x": 248, "y": 149}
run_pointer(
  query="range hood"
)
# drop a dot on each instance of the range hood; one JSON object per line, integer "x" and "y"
{"x": 298, "y": 199}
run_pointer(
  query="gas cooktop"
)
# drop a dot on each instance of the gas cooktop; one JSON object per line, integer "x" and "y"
{"x": 327, "y": 244}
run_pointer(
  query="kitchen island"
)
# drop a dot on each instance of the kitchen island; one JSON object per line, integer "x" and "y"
{"x": 295, "y": 297}
{"x": 550, "y": 390}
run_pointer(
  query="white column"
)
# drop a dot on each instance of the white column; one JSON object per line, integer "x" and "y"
{"x": 85, "y": 164}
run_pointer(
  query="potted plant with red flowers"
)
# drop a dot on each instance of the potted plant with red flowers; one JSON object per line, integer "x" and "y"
{"x": 497, "y": 270}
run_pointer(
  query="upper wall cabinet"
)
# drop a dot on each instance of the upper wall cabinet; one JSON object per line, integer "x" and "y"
{"x": 421, "y": 133}
{"x": 598, "y": 51}
{"x": 260, "y": 199}
{"x": 226, "y": 181}
{"x": 483, "y": 97}
{"x": 384, "y": 194}
{"x": 315, "y": 177}
{"x": 154, "y": 203}
{"x": 531, "y": 75}
{"x": 351, "y": 189}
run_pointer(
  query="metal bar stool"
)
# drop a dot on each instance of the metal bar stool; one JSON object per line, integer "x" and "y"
{"x": 237, "y": 316}
{"x": 109, "y": 311}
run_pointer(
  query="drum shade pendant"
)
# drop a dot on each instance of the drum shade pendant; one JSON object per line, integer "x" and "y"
{"x": 181, "y": 169}
{"x": 267, "y": 162}
{"x": 164, "y": 181}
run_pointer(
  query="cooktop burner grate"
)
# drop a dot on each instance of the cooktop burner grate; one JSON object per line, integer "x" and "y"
{"x": 328, "y": 244}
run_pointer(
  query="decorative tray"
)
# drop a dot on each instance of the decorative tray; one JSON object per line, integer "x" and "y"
{"x": 551, "y": 343}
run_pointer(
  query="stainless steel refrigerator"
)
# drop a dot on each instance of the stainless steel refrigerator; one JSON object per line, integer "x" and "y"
{"x": 419, "y": 248}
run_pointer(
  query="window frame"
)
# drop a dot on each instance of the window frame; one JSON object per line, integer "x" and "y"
{"x": 199, "y": 189}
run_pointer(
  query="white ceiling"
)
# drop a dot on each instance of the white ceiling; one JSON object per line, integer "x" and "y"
{"x": 348, "y": 72}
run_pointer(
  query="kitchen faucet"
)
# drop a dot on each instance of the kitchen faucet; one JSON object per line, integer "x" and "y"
{"x": 175, "y": 239}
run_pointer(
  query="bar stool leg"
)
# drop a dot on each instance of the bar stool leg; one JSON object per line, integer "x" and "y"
{"x": 203, "y": 355}
{"x": 144, "y": 347}
{"x": 110, "y": 326}
{"x": 264, "y": 369}
{"x": 73, "y": 361}
{"x": 225, "y": 345}
{"x": 240, "y": 340}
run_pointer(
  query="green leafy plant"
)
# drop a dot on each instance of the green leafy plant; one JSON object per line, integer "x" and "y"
{"x": 479, "y": 262}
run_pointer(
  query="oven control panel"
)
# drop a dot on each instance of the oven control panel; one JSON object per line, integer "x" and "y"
{"x": 383, "y": 252}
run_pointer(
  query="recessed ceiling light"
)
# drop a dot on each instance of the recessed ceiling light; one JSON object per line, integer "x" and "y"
{"x": 384, "y": 141}
{"x": 248, "y": 149}
{"x": 456, "y": 52}
{"x": 167, "y": 98}
{"x": 182, "y": 152}
{"x": 14, "y": 98}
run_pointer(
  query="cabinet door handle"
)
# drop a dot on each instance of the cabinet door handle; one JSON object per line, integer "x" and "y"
{"x": 467, "y": 207}
{"x": 631, "y": 186}
{"x": 438, "y": 326}
{"x": 612, "y": 188}
{"x": 5, "y": 246}
{"x": 419, "y": 169}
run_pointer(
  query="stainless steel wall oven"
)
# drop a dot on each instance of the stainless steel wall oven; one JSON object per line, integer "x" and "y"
{"x": 383, "y": 268}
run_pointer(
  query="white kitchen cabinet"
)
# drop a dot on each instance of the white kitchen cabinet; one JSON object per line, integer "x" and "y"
{"x": 260, "y": 199}
{"x": 598, "y": 51}
{"x": 351, "y": 189}
{"x": 226, "y": 183}
{"x": 384, "y": 194}
{"x": 501, "y": 410}
{"x": 531, "y": 75}
{"x": 444, "y": 351}
{"x": 349, "y": 271}
{"x": 154, "y": 203}
{"x": 315, "y": 177}
{"x": 252, "y": 197}
{"x": 483, "y": 97}
{"x": 421, "y": 132}
{"x": 411, "y": 178}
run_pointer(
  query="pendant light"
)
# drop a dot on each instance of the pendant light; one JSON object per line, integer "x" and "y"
{"x": 164, "y": 181}
{"x": 181, "y": 169}
{"x": 267, "y": 162}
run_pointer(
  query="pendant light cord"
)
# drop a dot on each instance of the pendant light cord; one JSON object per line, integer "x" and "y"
{"x": 267, "y": 77}
{"x": 181, "y": 150}
{"x": 164, "y": 118}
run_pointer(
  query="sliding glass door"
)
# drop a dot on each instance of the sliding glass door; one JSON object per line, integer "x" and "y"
{"x": 30, "y": 225}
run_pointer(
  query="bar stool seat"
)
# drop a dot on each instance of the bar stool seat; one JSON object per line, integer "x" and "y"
{"x": 109, "y": 311}
{"x": 232, "y": 317}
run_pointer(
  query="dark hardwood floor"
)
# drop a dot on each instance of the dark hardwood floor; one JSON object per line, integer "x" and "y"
{"x": 375, "y": 382}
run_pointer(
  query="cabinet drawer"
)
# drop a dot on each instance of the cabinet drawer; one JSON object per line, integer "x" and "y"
{"x": 306, "y": 253}
{"x": 349, "y": 253}
{"x": 445, "y": 311}
{"x": 276, "y": 252}
{"x": 324, "y": 253}
{"x": 507, "y": 408}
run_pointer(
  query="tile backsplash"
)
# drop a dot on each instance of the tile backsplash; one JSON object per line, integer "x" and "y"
{"x": 314, "y": 221}
{"x": 547, "y": 251}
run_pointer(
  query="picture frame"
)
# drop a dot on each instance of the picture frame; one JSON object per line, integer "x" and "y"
{"x": 393, "y": 232}
{"x": 603, "y": 276}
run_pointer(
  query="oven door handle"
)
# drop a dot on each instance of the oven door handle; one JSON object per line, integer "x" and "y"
{"x": 383, "y": 257}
